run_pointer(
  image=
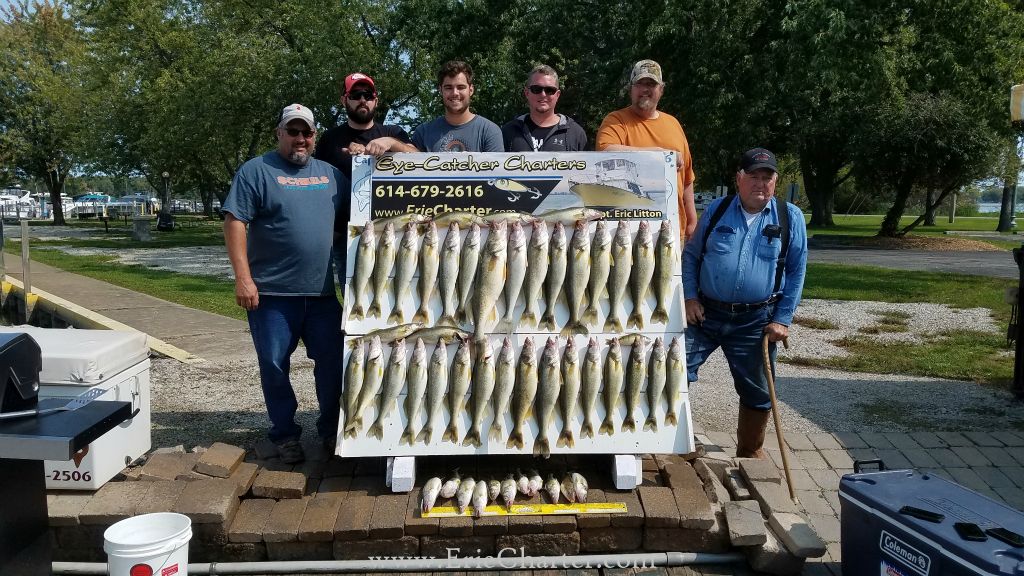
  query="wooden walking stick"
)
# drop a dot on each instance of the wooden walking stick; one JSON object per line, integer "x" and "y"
{"x": 775, "y": 413}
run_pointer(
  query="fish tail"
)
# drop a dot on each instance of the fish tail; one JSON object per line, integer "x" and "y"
{"x": 451, "y": 434}
{"x": 671, "y": 419}
{"x": 587, "y": 430}
{"x": 529, "y": 318}
{"x": 447, "y": 320}
{"x": 425, "y": 434}
{"x": 357, "y": 312}
{"x": 408, "y": 437}
{"x": 590, "y": 314}
{"x": 636, "y": 320}
{"x": 580, "y": 329}
{"x": 607, "y": 428}
{"x": 651, "y": 424}
{"x": 397, "y": 315}
{"x": 613, "y": 324}
{"x": 377, "y": 430}
{"x": 542, "y": 448}
{"x": 472, "y": 437}
{"x": 547, "y": 320}
{"x": 460, "y": 313}
{"x": 374, "y": 311}
{"x": 496, "y": 431}
{"x": 628, "y": 425}
{"x": 515, "y": 439}
{"x": 505, "y": 326}
{"x": 566, "y": 439}
{"x": 660, "y": 315}
{"x": 421, "y": 316}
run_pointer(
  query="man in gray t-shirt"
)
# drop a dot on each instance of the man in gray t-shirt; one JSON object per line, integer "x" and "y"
{"x": 459, "y": 130}
{"x": 279, "y": 230}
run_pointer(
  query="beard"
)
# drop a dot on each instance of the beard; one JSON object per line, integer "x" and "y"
{"x": 299, "y": 158}
{"x": 645, "y": 103}
{"x": 360, "y": 114}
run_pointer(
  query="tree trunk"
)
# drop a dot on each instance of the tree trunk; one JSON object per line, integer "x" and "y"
{"x": 55, "y": 182}
{"x": 891, "y": 224}
{"x": 820, "y": 172}
{"x": 1006, "y": 208}
{"x": 207, "y": 201}
{"x": 929, "y": 207}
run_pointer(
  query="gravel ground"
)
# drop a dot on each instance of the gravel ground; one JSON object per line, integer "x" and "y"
{"x": 194, "y": 260}
{"x": 200, "y": 404}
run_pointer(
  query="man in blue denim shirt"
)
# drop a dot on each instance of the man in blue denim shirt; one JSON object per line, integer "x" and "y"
{"x": 731, "y": 297}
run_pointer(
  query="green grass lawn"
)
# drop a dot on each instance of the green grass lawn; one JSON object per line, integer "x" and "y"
{"x": 195, "y": 233}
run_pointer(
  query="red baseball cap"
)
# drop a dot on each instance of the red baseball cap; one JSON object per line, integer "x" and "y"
{"x": 356, "y": 78}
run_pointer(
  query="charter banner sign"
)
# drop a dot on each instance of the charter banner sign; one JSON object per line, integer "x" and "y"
{"x": 624, "y": 185}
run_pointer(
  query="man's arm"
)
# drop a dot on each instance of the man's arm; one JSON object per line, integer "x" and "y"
{"x": 795, "y": 271}
{"x": 492, "y": 140}
{"x": 381, "y": 146}
{"x": 691, "y": 255}
{"x": 246, "y": 294}
{"x": 689, "y": 211}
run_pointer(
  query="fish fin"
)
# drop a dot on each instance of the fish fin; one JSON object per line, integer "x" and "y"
{"x": 636, "y": 320}
{"x": 452, "y": 433}
{"x": 377, "y": 430}
{"x": 407, "y": 437}
{"x": 447, "y": 320}
{"x": 651, "y": 424}
{"x": 587, "y": 430}
{"x": 628, "y": 424}
{"x": 528, "y": 319}
{"x": 671, "y": 420}
{"x": 472, "y": 437}
{"x": 542, "y": 448}
{"x": 357, "y": 312}
{"x": 590, "y": 315}
{"x": 581, "y": 329}
{"x": 356, "y": 231}
{"x": 606, "y": 428}
{"x": 496, "y": 431}
{"x": 660, "y": 315}
{"x": 374, "y": 311}
{"x": 397, "y": 315}
{"x": 425, "y": 434}
{"x": 547, "y": 321}
{"x": 613, "y": 325}
{"x": 515, "y": 440}
{"x": 460, "y": 313}
{"x": 566, "y": 439}
{"x": 505, "y": 326}
{"x": 421, "y": 316}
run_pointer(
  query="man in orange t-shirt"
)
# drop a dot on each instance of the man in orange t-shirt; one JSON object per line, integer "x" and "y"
{"x": 641, "y": 126}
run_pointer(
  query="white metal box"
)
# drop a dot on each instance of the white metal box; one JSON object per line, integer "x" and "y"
{"x": 75, "y": 361}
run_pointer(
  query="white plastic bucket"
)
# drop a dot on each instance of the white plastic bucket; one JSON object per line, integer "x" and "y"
{"x": 159, "y": 540}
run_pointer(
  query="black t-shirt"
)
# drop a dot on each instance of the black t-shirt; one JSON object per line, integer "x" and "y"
{"x": 522, "y": 135}
{"x": 329, "y": 147}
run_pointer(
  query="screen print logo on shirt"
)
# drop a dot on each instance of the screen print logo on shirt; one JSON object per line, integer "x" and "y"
{"x": 311, "y": 183}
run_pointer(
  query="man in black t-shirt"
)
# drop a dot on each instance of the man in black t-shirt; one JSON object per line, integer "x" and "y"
{"x": 360, "y": 134}
{"x": 543, "y": 130}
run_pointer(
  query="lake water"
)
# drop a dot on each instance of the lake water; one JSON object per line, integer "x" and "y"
{"x": 990, "y": 207}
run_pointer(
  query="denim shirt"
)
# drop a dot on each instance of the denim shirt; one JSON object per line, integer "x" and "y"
{"x": 739, "y": 261}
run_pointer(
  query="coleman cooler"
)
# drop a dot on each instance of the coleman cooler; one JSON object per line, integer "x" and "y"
{"x": 75, "y": 361}
{"x": 905, "y": 523}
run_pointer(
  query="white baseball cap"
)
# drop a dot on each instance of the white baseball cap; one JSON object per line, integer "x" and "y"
{"x": 296, "y": 112}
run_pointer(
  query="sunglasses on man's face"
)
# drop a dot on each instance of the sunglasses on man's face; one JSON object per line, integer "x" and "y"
{"x": 549, "y": 90}
{"x": 294, "y": 132}
{"x": 357, "y": 95}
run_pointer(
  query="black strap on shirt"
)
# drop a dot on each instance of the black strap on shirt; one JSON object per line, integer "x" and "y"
{"x": 780, "y": 264}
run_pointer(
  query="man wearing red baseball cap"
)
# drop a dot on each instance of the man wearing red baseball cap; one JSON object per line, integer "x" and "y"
{"x": 360, "y": 134}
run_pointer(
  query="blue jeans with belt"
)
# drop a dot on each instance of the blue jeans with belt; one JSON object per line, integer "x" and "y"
{"x": 277, "y": 325}
{"x": 739, "y": 335}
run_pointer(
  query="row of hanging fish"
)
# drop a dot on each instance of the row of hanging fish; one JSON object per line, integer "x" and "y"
{"x": 472, "y": 275}
{"x": 533, "y": 383}
{"x": 478, "y": 493}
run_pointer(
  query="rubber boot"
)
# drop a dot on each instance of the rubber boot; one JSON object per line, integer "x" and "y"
{"x": 750, "y": 432}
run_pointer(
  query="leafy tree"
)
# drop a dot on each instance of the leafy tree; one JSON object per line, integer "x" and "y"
{"x": 922, "y": 141}
{"x": 45, "y": 103}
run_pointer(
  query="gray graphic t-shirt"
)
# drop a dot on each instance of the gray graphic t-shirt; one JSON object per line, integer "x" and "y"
{"x": 477, "y": 135}
{"x": 290, "y": 211}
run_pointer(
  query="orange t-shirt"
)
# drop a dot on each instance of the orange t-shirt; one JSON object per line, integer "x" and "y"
{"x": 624, "y": 127}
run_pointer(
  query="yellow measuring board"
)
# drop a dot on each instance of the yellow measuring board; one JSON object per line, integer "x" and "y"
{"x": 531, "y": 509}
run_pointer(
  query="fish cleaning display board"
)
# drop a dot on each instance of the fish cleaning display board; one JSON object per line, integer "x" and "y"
{"x": 470, "y": 232}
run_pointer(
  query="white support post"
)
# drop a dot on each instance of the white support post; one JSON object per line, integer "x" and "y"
{"x": 401, "y": 473}
{"x": 626, "y": 471}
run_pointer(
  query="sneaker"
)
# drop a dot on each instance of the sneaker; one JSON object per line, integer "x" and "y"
{"x": 290, "y": 452}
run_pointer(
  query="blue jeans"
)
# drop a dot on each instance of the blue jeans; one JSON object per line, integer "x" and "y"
{"x": 277, "y": 324}
{"x": 739, "y": 335}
